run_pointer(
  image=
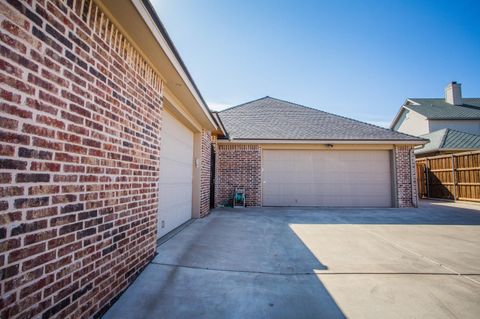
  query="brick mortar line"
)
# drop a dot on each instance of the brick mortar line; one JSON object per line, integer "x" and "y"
{"x": 111, "y": 49}
{"x": 124, "y": 90}
{"x": 59, "y": 270}
{"x": 131, "y": 151}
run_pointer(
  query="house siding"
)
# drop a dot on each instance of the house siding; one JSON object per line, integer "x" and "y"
{"x": 412, "y": 123}
{"x": 80, "y": 128}
{"x": 239, "y": 166}
{"x": 467, "y": 126}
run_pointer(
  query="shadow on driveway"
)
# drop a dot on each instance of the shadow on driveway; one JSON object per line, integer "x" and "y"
{"x": 313, "y": 263}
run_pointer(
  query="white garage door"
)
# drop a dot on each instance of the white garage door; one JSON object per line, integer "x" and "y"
{"x": 176, "y": 169}
{"x": 327, "y": 178}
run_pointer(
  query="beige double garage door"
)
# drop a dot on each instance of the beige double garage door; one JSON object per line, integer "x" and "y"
{"x": 336, "y": 178}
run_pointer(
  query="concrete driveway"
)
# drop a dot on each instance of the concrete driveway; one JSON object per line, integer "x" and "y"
{"x": 315, "y": 263}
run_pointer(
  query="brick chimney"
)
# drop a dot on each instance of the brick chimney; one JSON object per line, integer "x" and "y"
{"x": 453, "y": 93}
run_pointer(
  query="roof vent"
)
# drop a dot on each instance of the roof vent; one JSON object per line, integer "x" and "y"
{"x": 453, "y": 93}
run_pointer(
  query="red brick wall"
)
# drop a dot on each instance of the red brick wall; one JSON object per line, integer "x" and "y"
{"x": 216, "y": 186}
{"x": 405, "y": 177}
{"x": 79, "y": 159}
{"x": 239, "y": 166}
{"x": 206, "y": 152}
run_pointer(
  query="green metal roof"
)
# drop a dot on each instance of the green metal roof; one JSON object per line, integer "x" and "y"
{"x": 438, "y": 109}
{"x": 449, "y": 140}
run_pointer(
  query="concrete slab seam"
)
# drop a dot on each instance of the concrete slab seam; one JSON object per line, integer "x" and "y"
{"x": 429, "y": 259}
{"x": 310, "y": 273}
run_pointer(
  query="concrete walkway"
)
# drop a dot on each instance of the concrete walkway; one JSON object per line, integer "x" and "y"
{"x": 315, "y": 263}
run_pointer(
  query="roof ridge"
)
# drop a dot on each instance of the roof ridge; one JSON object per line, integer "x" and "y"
{"x": 235, "y": 106}
{"x": 444, "y": 137}
{"x": 301, "y": 105}
{"x": 424, "y": 98}
{"x": 439, "y": 98}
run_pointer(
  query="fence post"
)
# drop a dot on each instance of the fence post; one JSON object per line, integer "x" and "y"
{"x": 427, "y": 168}
{"x": 454, "y": 179}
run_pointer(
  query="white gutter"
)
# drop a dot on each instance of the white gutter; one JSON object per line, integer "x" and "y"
{"x": 372, "y": 142}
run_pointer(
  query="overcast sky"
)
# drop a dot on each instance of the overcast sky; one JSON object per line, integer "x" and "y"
{"x": 359, "y": 59}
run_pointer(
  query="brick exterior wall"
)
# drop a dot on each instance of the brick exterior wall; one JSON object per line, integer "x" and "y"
{"x": 206, "y": 152}
{"x": 239, "y": 166}
{"x": 79, "y": 159}
{"x": 405, "y": 175}
{"x": 216, "y": 186}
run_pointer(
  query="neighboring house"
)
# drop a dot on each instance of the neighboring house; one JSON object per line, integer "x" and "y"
{"x": 451, "y": 123}
{"x": 285, "y": 154}
{"x": 104, "y": 147}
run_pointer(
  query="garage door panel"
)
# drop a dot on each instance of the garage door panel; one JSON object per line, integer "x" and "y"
{"x": 281, "y": 200}
{"x": 176, "y": 169}
{"x": 175, "y": 192}
{"x": 183, "y": 150}
{"x": 326, "y": 178}
{"x": 175, "y": 172}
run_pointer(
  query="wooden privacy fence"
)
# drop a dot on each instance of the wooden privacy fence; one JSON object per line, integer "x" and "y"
{"x": 454, "y": 176}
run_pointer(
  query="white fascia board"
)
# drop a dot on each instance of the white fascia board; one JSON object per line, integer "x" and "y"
{"x": 411, "y": 101}
{"x": 372, "y": 142}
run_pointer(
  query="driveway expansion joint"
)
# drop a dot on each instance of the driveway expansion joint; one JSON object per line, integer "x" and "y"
{"x": 312, "y": 272}
{"x": 429, "y": 259}
{"x": 279, "y": 263}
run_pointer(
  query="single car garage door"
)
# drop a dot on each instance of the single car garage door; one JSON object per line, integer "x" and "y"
{"x": 327, "y": 178}
{"x": 176, "y": 169}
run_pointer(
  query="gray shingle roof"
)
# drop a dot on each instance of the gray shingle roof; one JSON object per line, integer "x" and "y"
{"x": 448, "y": 139}
{"x": 438, "y": 109}
{"x": 269, "y": 118}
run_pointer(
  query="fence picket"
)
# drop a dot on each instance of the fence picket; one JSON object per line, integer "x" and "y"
{"x": 452, "y": 176}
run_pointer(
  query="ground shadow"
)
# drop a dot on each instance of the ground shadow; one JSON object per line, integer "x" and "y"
{"x": 226, "y": 266}
{"x": 250, "y": 263}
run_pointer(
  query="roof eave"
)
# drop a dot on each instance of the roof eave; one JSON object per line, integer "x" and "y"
{"x": 320, "y": 141}
{"x": 182, "y": 69}
{"x": 453, "y": 118}
{"x": 220, "y": 127}
{"x": 138, "y": 21}
{"x": 465, "y": 149}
